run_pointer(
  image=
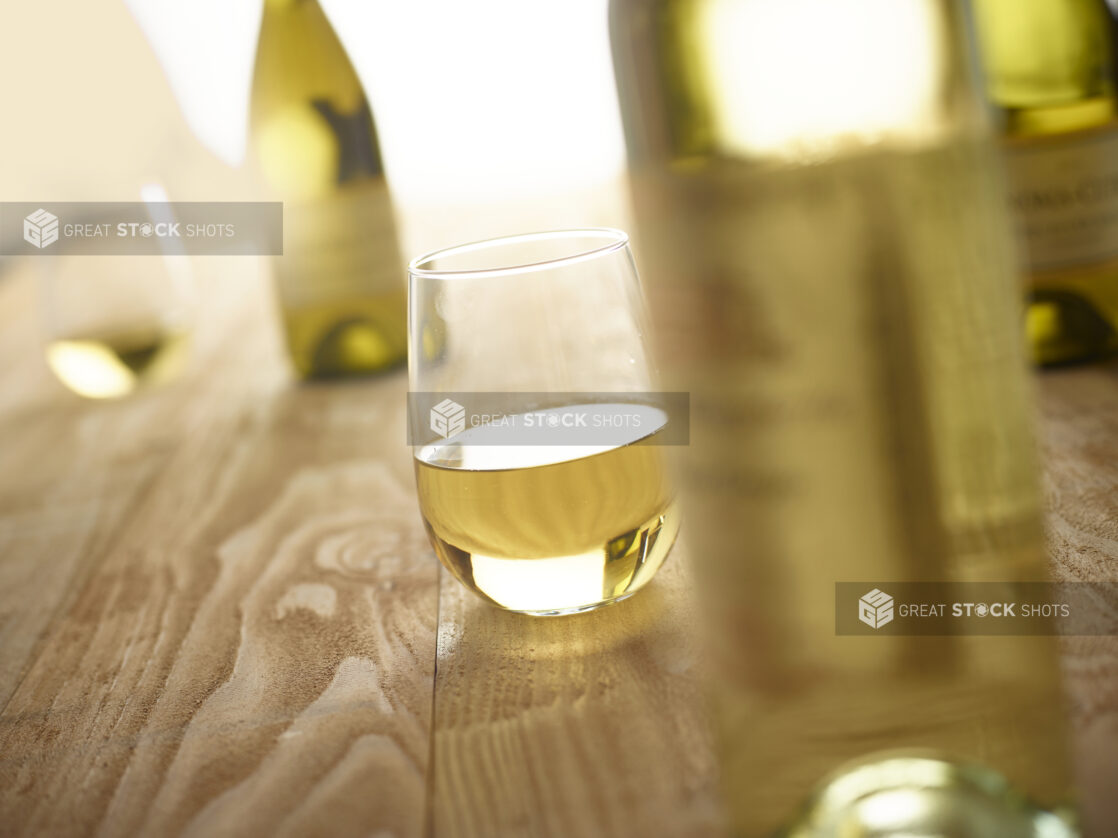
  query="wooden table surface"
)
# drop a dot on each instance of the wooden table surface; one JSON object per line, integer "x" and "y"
{"x": 219, "y": 615}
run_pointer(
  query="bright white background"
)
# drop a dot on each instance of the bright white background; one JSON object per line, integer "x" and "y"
{"x": 493, "y": 114}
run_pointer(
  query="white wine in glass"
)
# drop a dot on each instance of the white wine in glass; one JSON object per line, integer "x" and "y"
{"x": 113, "y": 323}
{"x": 119, "y": 362}
{"x": 541, "y": 529}
{"x": 533, "y": 532}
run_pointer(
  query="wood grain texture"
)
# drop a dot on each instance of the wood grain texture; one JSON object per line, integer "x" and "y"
{"x": 219, "y": 615}
{"x": 1080, "y": 444}
{"x": 583, "y": 725}
{"x": 70, "y": 470}
{"x": 244, "y": 635}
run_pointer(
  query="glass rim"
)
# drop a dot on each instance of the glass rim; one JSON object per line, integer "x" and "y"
{"x": 614, "y": 240}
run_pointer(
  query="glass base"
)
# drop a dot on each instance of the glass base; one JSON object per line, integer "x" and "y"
{"x": 924, "y": 796}
{"x": 563, "y": 612}
{"x": 554, "y": 586}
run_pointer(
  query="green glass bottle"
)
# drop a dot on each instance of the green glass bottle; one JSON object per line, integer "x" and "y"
{"x": 341, "y": 278}
{"x": 828, "y": 254}
{"x": 1050, "y": 68}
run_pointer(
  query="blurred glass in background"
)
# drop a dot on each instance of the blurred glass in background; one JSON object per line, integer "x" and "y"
{"x": 114, "y": 324}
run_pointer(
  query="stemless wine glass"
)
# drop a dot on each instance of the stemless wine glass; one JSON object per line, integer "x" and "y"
{"x": 117, "y": 323}
{"x": 545, "y": 491}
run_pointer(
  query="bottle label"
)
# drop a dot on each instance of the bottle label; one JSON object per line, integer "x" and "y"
{"x": 1065, "y": 192}
{"x": 341, "y": 247}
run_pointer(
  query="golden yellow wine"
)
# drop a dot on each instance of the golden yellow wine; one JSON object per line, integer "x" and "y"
{"x": 1052, "y": 67}
{"x": 341, "y": 279}
{"x": 548, "y": 529}
{"x": 829, "y": 262}
{"x": 117, "y": 363}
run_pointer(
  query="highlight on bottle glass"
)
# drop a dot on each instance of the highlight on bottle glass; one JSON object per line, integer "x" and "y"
{"x": 538, "y": 439}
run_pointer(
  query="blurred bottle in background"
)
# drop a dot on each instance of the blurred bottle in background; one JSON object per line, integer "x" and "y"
{"x": 1051, "y": 68}
{"x": 341, "y": 279}
{"x": 830, "y": 269}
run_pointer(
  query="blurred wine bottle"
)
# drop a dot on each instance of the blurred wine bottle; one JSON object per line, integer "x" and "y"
{"x": 341, "y": 279}
{"x": 1051, "y": 67}
{"x": 829, "y": 261}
